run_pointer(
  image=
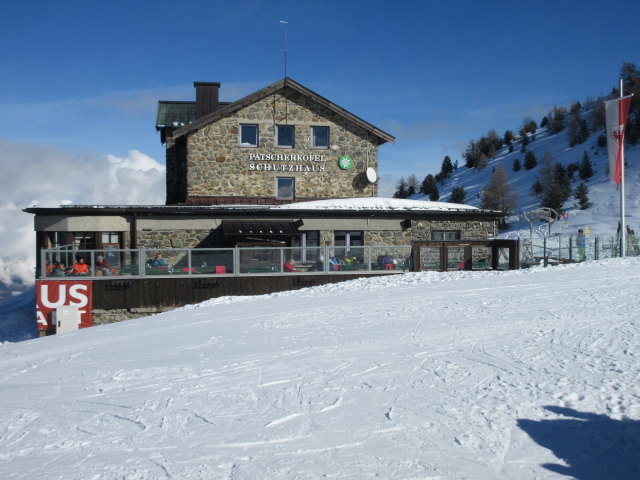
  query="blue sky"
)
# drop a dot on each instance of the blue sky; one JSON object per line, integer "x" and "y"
{"x": 85, "y": 77}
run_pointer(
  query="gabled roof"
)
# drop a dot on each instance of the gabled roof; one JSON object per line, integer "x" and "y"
{"x": 286, "y": 82}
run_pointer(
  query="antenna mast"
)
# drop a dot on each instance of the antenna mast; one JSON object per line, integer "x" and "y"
{"x": 285, "y": 22}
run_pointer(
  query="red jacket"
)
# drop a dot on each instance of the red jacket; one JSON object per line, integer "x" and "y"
{"x": 80, "y": 268}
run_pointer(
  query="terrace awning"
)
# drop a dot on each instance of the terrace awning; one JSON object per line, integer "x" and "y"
{"x": 263, "y": 228}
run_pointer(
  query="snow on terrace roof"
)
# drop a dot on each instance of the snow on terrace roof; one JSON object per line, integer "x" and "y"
{"x": 340, "y": 204}
{"x": 374, "y": 203}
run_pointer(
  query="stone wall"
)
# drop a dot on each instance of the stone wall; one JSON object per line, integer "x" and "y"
{"x": 218, "y": 166}
{"x": 387, "y": 237}
{"x": 103, "y": 317}
{"x": 420, "y": 231}
{"x": 172, "y": 239}
{"x": 469, "y": 229}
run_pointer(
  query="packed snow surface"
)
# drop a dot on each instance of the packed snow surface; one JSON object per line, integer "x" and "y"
{"x": 374, "y": 203}
{"x": 526, "y": 374}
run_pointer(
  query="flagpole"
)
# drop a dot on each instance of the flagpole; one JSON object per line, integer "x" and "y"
{"x": 623, "y": 227}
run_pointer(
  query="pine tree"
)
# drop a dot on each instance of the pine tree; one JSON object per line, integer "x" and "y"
{"x": 434, "y": 195}
{"x": 471, "y": 154}
{"x": 555, "y": 184}
{"x": 558, "y": 119}
{"x": 586, "y": 168}
{"x": 529, "y": 125}
{"x": 530, "y": 160}
{"x": 562, "y": 178}
{"x": 458, "y": 194}
{"x": 577, "y": 126}
{"x": 516, "y": 165}
{"x": 537, "y": 188}
{"x": 498, "y": 194}
{"x": 581, "y": 194}
{"x": 508, "y": 137}
{"x": 428, "y": 185}
{"x": 446, "y": 168}
{"x": 412, "y": 185}
{"x": 401, "y": 189}
{"x": 572, "y": 168}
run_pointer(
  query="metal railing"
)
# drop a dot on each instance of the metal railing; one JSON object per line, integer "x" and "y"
{"x": 104, "y": 264}
{"x": 563, "y": 248}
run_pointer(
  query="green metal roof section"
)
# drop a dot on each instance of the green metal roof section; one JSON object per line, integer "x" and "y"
{"x": 175, "y": 114}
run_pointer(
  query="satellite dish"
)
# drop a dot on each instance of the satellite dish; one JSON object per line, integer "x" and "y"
{"x": 372, "y": 176}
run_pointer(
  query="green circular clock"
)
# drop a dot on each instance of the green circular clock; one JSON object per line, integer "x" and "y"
{"x": 345, "y": 162}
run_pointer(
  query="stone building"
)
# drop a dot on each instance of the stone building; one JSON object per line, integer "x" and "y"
{"x": 280, "y": 176}
{"x": 232, "y": 166}
{"x": 281, "y": 144}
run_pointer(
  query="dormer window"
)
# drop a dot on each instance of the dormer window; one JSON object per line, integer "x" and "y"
{"x": 249, "y": 135}
{"x": 285, "y": 136}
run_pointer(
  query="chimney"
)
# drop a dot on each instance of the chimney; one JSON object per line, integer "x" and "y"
{"x": 206, "y": 97}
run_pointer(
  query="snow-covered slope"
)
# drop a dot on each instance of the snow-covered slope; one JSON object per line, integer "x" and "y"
{"x": 603, "y": 214}
{"x": 526, "y": 374}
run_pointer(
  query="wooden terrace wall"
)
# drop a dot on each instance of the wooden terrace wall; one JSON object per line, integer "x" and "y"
{"x": 167, "y": 292}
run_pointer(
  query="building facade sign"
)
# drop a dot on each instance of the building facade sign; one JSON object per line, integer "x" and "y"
{"x": 309, "y": 162}
{"x": 51, "y": 294}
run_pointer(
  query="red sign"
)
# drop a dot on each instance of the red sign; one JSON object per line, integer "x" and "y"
{"x": 51, "y": 294}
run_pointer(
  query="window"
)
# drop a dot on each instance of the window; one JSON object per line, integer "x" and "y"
{"x": 285, "y": 136}
{"x": 348, "y": 239}
{"x": 248, "y": 135}
{"x": 285, "y": 187}
{"x": 319, "y": 137}
{"x": 110, "y": 238}
{"x": 306, "y": 239}
{"x": 85, "y": 240}
{"x": 445, "y": 235}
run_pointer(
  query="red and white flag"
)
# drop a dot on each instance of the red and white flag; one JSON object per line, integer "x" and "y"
{"x": 616, "y": 117}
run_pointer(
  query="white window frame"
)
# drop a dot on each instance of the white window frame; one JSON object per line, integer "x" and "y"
{"x": 313, "y": 137}
{"x": 257, "y": 127}
{"x": 293, "y": 137}
{"x": 293, "y": 189}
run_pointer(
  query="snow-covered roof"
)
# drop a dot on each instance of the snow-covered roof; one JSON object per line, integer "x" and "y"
{"x": 375, "y": 203}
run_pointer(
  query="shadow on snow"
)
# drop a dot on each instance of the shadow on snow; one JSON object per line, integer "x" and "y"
{"x": 592, "y": 446}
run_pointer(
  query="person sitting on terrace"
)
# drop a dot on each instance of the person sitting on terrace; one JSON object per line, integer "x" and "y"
{"x": 48, "y": 268}
{"x": 289, "y": 266}
{"x": 333, "y": 262}
{"x": 102, "y": 266}
{"x": 350, "y": 258}
{"x": 158, "y": 261}
{"x": 386, "y": 259}
{"x": 80, "y": 268}
{"x": 58, "y": 270}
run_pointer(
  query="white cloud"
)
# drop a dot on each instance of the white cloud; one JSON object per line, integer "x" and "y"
{"x": 49, "y": 177}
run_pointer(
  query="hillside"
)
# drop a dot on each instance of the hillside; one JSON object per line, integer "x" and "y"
{"x": 602, "y": 215}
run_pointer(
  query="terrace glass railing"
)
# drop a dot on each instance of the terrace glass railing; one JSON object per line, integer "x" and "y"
{"x": 107, "y": 263}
